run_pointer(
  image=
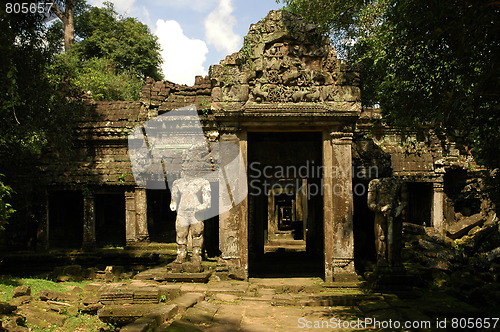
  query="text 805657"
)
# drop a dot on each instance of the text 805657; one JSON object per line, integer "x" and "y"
{"x": 27, "y": 7}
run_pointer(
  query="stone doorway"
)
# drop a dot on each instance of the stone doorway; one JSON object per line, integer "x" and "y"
{"x": 161, "y": 220}
{"x": 363, "y": 227}
{"x": 66, "y": 219}
{"x": 285, "y": 214}
{"x": 420, "y": 203}
{"x": 110, "y": 219}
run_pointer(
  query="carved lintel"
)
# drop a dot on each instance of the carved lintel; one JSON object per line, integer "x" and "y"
{"x": 438, "y": 186}
{"x": 341, "y": 137}
{"x": 212, "y": 135}
{"x": 228, "y": 137}
{"x": 342, "y": 262}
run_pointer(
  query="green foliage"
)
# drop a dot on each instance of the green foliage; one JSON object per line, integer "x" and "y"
{"x": 33, "y": 110}
{"x": 111, "y": 57}
{"x": 426, "y": 63}
{"x": 124, "y": 41}
{"x": 98, "y": 77}
{"x": 6, "y": 209}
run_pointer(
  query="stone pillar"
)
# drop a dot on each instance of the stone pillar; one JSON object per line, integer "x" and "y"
{"x": 42, "y": 235}
{"x": 438, "y": 207}
{"x": 130, "y": 218}
{"x": 141, "y": 206}
{"x": 89, "y": 238}
{"x": 272, "y": 220}
{"x": 328, "y": 205}
{"x": 339, "y": 230}
{"x": 233, "y": 224}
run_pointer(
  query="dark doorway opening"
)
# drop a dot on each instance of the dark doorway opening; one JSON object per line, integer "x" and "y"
{"x": 110, "y": 219}
{"x": 211, "y": 232}
{"x": 65, "y": 219}
{"x": 363, "y": 223}
{"x": 161, "y": 220}
{"x": 285, "y": 204}
{"x": 419, "y": 203}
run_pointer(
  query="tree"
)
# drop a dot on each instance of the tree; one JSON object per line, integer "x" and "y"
{"x": 430, "y": 64}
{"x": 125, "y": 41}
{"x": 111, "y": 57}
{"x": 6, "y": 209}
{"x": 34, "y": 112}
{"x": 64, "y": 10}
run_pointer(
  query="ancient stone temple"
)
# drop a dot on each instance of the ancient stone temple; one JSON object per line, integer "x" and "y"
{"x": 308, "y": 147}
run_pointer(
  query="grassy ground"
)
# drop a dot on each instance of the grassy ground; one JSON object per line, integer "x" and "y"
{"x": 70, "y": 320}
{"x": 8, "y": 284}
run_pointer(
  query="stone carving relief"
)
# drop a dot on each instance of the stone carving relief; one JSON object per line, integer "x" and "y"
{"x": 283, "y": 60}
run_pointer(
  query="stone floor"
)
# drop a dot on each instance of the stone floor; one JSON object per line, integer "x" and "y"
{"x": 298, "y": 304}
{"x": 255, "y": 315}
{"x": 289, "y": 304}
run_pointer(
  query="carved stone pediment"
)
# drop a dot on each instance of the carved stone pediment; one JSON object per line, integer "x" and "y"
{"x": 284, "y": 61}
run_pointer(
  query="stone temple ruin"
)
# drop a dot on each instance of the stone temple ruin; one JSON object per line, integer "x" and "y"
{"x": 308, "y": 146}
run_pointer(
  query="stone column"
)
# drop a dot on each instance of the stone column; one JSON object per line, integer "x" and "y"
{"x": 42, "y": 235}
{"x": 130, "y": 218}
{"x": 89, "y": 237}
{"x": 141, "y": 214}
{"x": 233, "y": 224}
{"x": 328, "y": 205}
{"x": 272, "y": 217}
{"x": 438, "y": 207}
{"x": 340, "y": 232}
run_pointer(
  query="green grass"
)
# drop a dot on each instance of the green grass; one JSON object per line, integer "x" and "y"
{"x": 75, "y": 321}
{"x": 8, "y": 284}
{"x": 86, "y": 323}
{"x": 80, "y": 322}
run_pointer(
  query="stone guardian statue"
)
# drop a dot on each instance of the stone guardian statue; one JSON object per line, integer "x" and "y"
{"x": 388, "y": 198}
{"x": 190, "y": 197}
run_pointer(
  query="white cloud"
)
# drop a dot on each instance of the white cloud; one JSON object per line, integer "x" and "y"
{"x": 219, "y": 26}
{"x": 128, "y": 8}
{"x": 183, "y": 57}
{"x": 121, "y": 6}
{"x": 196, "y": 5}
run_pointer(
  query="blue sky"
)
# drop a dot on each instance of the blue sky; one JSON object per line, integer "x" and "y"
{"x": 195, "y": 34}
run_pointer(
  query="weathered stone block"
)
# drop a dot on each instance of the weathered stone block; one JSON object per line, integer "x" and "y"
{"x": 462, "y": 227}
{"x": 47, "y": 295}
{"x": 188, "y": 300}
{"x": 169, "y": 292}
{"x": 6, "y": 308}
{"x": 20, "y": 300}
{"x": 24, "y": 290}
{"x": 123, "y": 315}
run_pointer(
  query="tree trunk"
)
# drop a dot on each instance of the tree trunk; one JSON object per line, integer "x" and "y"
{"x": 69, "y": 25}
{"x": 67, "y": 18}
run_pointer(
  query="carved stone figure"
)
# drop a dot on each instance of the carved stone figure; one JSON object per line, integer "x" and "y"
{"x": 388, "y": 198}
{"x": 190, "y": 197}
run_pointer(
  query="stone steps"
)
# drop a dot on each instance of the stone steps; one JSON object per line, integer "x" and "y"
{"x": 147, "y": 317}
{"x": 318, "y": 300}
{"x": 126, "y": 294}
{"x": 161, "y": 274}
